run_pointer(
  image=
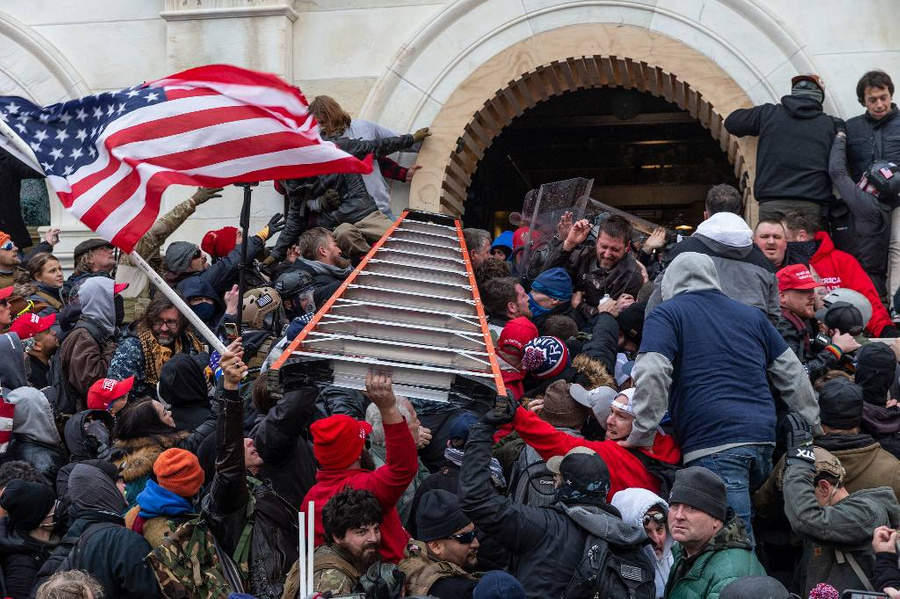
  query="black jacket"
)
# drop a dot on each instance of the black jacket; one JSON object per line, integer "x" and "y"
{"x": 546, "y": 544}
{"x": 273, "y": 540}
{"x": 871, "y": 218}
{"x": 588, "y": 276}
{"x": 278, "y": 437}
{"x": 21, "y": 558}
{"x": 869, "y": 140}
{"x": 222, "y": 274}
{"x": 796, "y": 334}
{"x": 356, "y": 203}
{"x": 113, "y": 555}
{"x": 12, "y": 171}
{"x": 183, "y": 386}
{"x": 47, "y": 459}
{"x": 794, "y": 142}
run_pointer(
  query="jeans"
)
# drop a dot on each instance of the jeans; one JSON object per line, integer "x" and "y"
{"x": 743, "y": 469}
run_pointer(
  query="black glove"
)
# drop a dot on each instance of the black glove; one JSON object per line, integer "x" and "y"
{"x": 799, "y": 441}
{"x": 276, "y": 223}
{"x": 890, "y": 331}
{"x": 330, "y": 200}
{"x": 503, "y": 412}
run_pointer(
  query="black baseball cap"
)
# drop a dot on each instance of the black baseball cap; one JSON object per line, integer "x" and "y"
{"x": 844, "y": 317}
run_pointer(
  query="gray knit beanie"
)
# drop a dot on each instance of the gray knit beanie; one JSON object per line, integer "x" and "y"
{"x": 700, "y": 488}
{"x": 179, "y": 255}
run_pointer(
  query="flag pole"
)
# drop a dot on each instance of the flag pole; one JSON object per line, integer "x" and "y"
{"x": 242, "y": 268}
{"x": 214, "y": 342}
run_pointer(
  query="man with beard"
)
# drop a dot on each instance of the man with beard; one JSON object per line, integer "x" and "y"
{"x": 352, "y": 522}
{"x": 149, "y": 343}
{"x": 796, "y": 292}
{"x": 606, "y": 268}
{"x": 339, "y": 447}
{"x": 321, "y": 259}
{"x": 438, "y": 564}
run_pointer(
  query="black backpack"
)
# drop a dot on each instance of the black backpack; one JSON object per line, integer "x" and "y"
{"x": 610, "y": 571}
{"x": 664, "y": 471}
{"x": 531, "y": 483}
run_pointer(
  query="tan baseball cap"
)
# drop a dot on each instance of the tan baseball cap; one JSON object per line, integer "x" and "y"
{"x": 554, "y": 462}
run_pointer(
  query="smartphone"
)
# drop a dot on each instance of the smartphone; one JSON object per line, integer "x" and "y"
{"x": 231, "y": 330}
{"x": 853, "y": 594}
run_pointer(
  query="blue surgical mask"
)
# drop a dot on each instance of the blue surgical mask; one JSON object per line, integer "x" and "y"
{"x": 536, "y": 308}
{"x": 205, "y": 311}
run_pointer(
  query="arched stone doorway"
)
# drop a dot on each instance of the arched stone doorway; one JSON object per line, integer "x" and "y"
{"x": 733, "y": 53}
{"x": 561, "y": 77}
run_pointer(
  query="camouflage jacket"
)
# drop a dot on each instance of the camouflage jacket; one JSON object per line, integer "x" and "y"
{"x": 333, "y": 572}
{"x": 137, "y": 296}
{"x": 422, "y": 570}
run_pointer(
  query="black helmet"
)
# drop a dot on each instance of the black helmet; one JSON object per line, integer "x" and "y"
{"x": 882, "y": 180}
{"x": 293, "y": 282}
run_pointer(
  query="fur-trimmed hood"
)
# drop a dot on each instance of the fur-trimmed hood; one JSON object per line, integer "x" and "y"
{"x": 135, "y": 457}
{"x": 594, "y": 370}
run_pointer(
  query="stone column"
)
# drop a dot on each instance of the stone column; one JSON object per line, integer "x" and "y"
{"x": 256, "y": 34}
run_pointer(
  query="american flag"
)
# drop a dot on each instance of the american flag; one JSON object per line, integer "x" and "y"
{"x": 110, "y": 156}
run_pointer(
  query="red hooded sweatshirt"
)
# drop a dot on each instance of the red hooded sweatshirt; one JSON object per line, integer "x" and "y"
{"x": 839, "y": 269}
{"x": 625, "y": 470}
{"x": 388, "y": 484}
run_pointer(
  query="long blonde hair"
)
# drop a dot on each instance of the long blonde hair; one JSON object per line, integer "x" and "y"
{"x": 333, "y": 119}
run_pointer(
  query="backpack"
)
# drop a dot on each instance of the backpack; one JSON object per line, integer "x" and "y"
{"x": 67, "y": 398}
{"x": 610, "y": 571}
{"x": 191, "y": 563}
{"x": 531, "y": 483}
{"x": 664, "y": 471}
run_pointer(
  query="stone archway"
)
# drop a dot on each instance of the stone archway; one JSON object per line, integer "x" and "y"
{"x": 569, "y": 75}
{"x": 733, "y": 53}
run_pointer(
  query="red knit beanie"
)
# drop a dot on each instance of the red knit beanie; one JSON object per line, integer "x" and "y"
{"x": 516, "y": 334}
{"x": 179, "y": 471}
{"x": 338, "y": 440}
{"x": 220, "y": 242}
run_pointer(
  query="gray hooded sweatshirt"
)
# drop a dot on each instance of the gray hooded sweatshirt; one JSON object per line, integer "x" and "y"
{"x": 96, "y": 296}
{"x": 33, "y": 416}
{"x": 743, "y": 272}
{"x": 12, "y": 363}
{"x": 653, "y": 372}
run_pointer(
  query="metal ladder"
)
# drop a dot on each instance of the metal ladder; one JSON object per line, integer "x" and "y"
{"x": 411, "y": 308}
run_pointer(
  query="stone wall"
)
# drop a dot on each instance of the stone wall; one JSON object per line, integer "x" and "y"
{"x": 412, "y": 63}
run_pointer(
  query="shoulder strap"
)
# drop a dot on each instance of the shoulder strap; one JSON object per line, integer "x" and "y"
{"x": 78, "y": 549}
{"x": 854, "y": 565}
{"x": 92, "y": 330}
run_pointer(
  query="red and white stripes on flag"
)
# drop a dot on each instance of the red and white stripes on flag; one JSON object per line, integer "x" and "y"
{"x": 209, "y": 126}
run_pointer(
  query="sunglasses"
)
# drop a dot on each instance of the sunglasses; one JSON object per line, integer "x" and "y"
{"x": 465, "y": 538}
{"x": 9, "y": 245}
{"x": 654, "y": 517}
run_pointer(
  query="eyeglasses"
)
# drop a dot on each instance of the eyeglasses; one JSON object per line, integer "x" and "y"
{"x": 654, "y": 517}
{"x": 465, "y": 538}
{"x": 170, "y": 324}
{"x": 8, "y": 246}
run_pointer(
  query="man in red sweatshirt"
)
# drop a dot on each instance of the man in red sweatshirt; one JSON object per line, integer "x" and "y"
{"x": 808, "y": 245}
{"x": 625, "y": 468}
{"x": 339, "y": 447}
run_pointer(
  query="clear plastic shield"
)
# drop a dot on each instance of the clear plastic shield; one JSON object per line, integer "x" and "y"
{"x": 542, "y": 210}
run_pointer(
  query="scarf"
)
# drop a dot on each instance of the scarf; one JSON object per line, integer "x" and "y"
{"x": 455, "y": 456}
{"x": 155, "y": 354}
{"x": 537, "y": 310}
{"x": 156, "y": 501}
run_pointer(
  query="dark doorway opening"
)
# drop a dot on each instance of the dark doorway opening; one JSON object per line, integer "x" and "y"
{"x": 646, "y": 156}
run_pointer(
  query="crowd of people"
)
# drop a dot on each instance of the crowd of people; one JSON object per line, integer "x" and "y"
{"x": 715, "y": 416}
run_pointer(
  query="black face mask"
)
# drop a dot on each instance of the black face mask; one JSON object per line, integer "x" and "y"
{"x": 119, "y": 303}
